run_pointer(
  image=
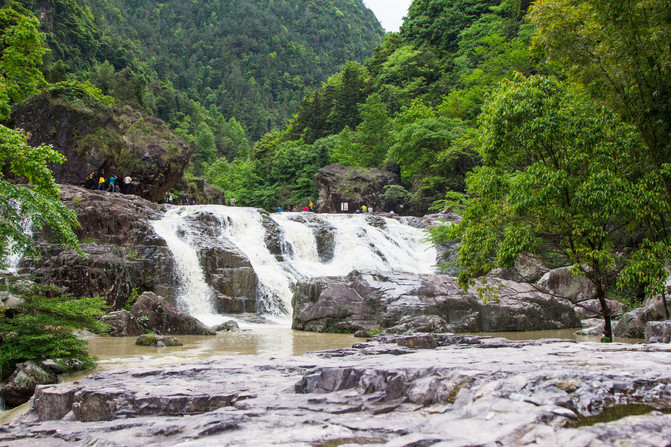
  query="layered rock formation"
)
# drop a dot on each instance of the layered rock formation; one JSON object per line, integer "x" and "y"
{"x": 366, "y": 300}
{"x": 123, "y": 251}
{"x": 355, "y": 186}
{"x": 93, "y": 136}
{"x": 467, "y": 391}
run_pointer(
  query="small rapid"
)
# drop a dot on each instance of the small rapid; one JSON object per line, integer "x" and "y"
{"x": 311, "y": 245}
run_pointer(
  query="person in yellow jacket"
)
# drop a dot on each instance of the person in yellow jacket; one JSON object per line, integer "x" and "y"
{"x": 101, "y": 183}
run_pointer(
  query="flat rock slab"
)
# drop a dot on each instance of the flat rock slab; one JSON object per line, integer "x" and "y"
{"x": 467, "y": 391}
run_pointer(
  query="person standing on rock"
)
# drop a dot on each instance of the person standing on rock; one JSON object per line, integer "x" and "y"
{"x": 101, "y": 181}
{"x": 168, "y": 197}
{"x": 183, "y": 199}
{"x": 232, "y": 201}
{"x": 126, "y": 184}
{"x": 113, "y": 187}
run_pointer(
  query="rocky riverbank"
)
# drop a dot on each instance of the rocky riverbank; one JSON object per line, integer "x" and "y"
{"x": 466, "y": 391}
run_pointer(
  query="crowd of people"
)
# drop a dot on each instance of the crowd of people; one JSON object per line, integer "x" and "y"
{"x": 98, "y": 181}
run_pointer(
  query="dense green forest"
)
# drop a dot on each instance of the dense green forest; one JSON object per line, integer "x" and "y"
{"x": 221, "y": 73}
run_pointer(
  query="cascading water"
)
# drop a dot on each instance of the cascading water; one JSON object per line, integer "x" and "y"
{"x": 13, "y": 259}
{"x": 312, "y": 245}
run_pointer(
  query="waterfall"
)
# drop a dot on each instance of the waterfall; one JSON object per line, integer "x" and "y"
{"x": 311, "y": 244}
{"x": 13, "y": 259}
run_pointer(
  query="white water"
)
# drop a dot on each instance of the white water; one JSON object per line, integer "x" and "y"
{"x": 358, "y": 246}
{"x": 13, "y": 259}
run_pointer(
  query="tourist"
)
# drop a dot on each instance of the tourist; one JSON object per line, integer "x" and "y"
{"x": 192, "y": 201}
{"x": 168, "y": 197}
{"x": 183, "y": 199}
{"x": 364, "y": 209}
{"x": 312, "y": 206}
{"x": 113, "y": 187}
{"x": 305, "y": 208}
{"x": 101, "y": 182}
{"x": 232, "y": 201}
{"x": 126, "y": 184}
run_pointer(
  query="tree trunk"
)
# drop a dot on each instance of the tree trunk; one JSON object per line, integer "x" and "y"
{"x": 666, "y": 307}
{"x": 605, "y": 312}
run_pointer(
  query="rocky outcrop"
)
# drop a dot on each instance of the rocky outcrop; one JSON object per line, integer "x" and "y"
{"x": 632, "y": 324}
{"x": 21, "y": 384}
{"x": 93, "y": 136}
{"x": 592, "y": 309}
{"x": 123, "y": 252}
{"x": 467, "y": 391}
{"x": 364, "y": 300}
{"x": 122, "y": 323}
{"x": 157, "y": 315}
{"x": 658, "y": 331}
{"x": 564, "y": 283}
{"x": 527, "y": 268}
{"x": 355, "y": 186}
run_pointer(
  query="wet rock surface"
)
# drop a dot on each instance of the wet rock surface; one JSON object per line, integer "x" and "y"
{"x": 157, "y": 315}
{"x": 467, "y": 391}
{"x": 366, "y": 300}
{"x": 21, "y": 384}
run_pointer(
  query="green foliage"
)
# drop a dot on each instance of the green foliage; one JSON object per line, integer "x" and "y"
{"x": 132, "y": 298}
{"x": 40, "y": 202}
{"x": 44, "y": 329}
{"x": 558, "y": 177}
{"x": 22, "y": 53}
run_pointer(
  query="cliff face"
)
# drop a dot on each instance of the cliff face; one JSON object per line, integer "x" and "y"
{"x": 356, "y": 187}
{"x": 93, "y": 136}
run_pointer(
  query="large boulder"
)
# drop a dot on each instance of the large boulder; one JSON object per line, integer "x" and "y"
{"x": 122, "y": 323}
{"x": 155, "y": 314}
{"x": 21, "y": 384}
{"x": 633, "y": 323}
{"x": 658, "y": 331}
{"x": 527, "y": 268}
{"x": 93, "y": 136}
{"x": 564, "y": 283}
{"x": 362, "y": 301}
{"x": 355, "y": 186}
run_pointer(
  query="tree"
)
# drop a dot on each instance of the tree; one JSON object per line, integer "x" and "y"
{"x": 620, "y": 51}
{"x": 558, "y": 180}
{"x": 40, "y": 201}
{"x": 22, "y": 53}
{"x": 372, "y": 135}
{"x": 44, "y": 329}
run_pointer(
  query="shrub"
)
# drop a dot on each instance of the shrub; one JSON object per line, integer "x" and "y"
{"x": 45, "y": 329}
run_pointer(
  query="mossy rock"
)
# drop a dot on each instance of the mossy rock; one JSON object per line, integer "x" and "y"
{"x": 157, "y": 340}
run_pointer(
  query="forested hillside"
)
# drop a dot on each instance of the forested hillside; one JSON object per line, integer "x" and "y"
{"x": 411, "y": 106}
{"x": 221, "y": 73}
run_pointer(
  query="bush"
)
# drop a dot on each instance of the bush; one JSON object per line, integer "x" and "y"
{"x": 45, "y": 329}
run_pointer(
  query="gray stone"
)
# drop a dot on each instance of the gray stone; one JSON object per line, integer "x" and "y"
{"x": 527, "y": 268}
{"x": 565, "y": 284}
{"x": 633, "y": 323}
{"x": 422, "y": 323}
{"x": 159, "y": 341}
{"x": 366, "y": 300}
{"x": 493, "y": 392}
{"x": 122, "y": 324}
{"x": 157, "y": 315}
{"x": 659, "y": 331}
{"x": 21, "y": 384}
{"x": 228, "y": 326}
